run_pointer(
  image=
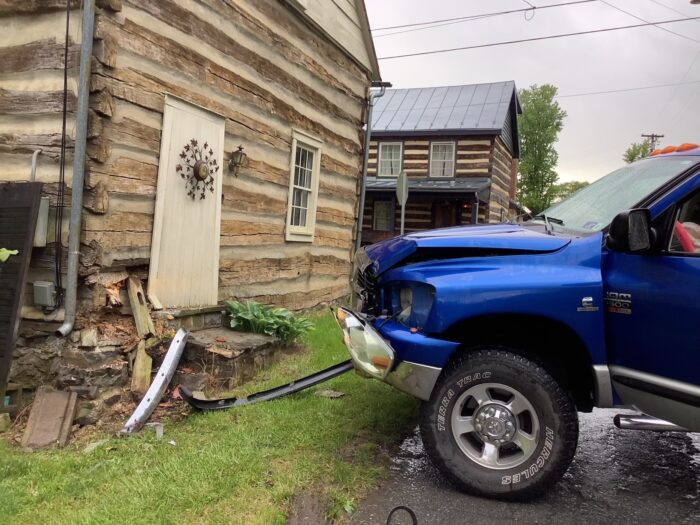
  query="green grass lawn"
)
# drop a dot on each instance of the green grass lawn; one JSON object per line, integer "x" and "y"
{"x": 236, "y": 466}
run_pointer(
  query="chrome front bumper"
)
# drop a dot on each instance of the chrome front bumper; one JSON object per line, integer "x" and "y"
{"x": 373, "y": 356}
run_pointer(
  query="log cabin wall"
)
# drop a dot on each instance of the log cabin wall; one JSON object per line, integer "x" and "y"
{"x": 262, "y": 68}
{"x": 32, "y": 46}
{"x": 504, "y": 168}
{"x": 255, "y": 62}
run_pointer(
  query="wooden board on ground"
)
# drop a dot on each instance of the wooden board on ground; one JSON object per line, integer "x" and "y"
{"x": 50, "y": 419}
{"x": 142, "y": 317}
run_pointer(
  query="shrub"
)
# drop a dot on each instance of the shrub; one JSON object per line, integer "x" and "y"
{"x": 262, "y": 319}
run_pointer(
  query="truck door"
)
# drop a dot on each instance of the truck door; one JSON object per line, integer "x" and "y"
{"x": 652, "y": 315}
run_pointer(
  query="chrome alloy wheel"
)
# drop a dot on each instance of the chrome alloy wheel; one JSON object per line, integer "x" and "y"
{"x": 495, "y": 426}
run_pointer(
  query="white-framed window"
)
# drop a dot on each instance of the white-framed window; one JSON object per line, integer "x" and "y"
{"x": 303, "y": 187}
{"x": 442, "y": 159}
{"x": 383, "y": 216}
{"x": 389, "y": 159}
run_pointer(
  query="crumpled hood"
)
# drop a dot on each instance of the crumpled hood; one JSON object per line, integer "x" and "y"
{"x": 507, "y": 238}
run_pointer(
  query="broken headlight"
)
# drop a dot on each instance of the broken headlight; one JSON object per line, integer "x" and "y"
{"x": 412, "y": 303}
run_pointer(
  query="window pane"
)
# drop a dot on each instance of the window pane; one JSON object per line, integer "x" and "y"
{"x": 382, "y": 216}
{"x": 441, "y": 160}
{"x": 686, "y": 230}
{"x": 389, "y": 159}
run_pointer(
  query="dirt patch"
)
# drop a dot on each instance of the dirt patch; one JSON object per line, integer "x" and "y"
{"x": 307, "y": 509}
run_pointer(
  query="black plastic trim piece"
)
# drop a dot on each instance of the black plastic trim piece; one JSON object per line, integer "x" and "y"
{"x": 662, "y": 391}
{"x": 267, "y": 395}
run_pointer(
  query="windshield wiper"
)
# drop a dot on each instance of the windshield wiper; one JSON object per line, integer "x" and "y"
{"x": 547, "y": 222}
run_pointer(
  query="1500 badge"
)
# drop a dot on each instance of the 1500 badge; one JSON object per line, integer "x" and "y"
{"x": 618, "y": 303}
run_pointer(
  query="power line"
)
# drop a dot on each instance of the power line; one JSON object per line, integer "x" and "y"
{"x": 479, "y": 17}
{"x": 639, "y": 88}
{"x": 476, "y": 17}
{"x": 535, "y": 39}
{"x": 647, "y": 21}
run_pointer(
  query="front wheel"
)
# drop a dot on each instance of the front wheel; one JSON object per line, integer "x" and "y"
{"x": 499, "y": 425}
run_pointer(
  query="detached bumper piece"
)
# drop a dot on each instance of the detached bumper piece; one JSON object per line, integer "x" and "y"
{"x": 370, "y": 352}
{"x": 267, "y": 395}
{"x": 158, "y": 386}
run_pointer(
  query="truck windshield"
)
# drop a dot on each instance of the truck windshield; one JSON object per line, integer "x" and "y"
{"x": 592, "y": 208}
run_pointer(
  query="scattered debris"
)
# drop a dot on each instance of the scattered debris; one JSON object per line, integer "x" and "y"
{"x": 172, "y": 442}
{"x": 160, "y": 383}
{"x": 5, "y": 422}
{"x": 112, "y": 294}
{"x": 142, "y": 317}
{"x": 157, "y": 428}
{"x": 331, "y": 394}
{"x": 141, "y": 375}
{"x": 50, "y": 419}
{"x": 94, "y": 445}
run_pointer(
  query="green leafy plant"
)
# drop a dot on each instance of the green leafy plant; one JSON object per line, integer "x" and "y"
{"x": 259, "y": 318}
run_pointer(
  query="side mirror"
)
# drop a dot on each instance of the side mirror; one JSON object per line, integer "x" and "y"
{"x": 631, "y": 232}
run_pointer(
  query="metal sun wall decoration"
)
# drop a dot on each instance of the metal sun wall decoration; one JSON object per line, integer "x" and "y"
{"x": 198, "y": 167}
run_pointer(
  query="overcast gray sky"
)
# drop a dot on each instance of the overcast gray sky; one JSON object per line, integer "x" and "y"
{"x": 598, "y": 128}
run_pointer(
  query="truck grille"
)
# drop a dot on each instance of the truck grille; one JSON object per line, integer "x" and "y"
{"x": 367, "y": 290}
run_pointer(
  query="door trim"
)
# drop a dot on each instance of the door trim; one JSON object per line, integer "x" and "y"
{"x": 657, "y": 385}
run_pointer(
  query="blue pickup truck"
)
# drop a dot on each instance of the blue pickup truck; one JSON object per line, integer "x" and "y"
{"x": 506, "y": 331}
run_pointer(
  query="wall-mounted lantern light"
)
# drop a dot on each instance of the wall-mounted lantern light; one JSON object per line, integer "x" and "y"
{"x": 238, "y": 160}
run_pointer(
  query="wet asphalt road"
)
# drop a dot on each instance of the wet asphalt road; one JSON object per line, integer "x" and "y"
{"x": 618, "y": 476}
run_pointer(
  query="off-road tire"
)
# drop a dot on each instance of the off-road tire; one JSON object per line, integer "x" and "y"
{"x": 558, "y": 424}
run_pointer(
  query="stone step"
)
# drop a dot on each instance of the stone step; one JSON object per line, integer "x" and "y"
{"x": 221, "y": 359}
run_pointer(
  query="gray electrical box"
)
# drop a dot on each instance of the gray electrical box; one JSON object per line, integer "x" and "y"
{"x": 44, "y": 293}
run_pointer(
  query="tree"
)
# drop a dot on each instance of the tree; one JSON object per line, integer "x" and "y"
{"x": 637, "y": 150}
{"x": 539, "y": 127}
{"x": 567, "y": 189}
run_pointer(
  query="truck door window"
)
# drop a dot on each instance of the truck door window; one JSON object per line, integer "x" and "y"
{"x": 686, "y": 229}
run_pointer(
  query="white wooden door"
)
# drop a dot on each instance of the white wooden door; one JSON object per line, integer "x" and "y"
{"x": 184, "y": 269}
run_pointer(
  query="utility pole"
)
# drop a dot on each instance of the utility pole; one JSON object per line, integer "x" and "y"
{"x": 652, "y": 139}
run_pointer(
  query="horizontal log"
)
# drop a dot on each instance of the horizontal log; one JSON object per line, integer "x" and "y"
{"x": 243, "y": 233}
{"x": 334, "y": 216}
{"x": 335, "y": 191}
{"x": 33, "y": 7}
{"x": 131, "y": 133}
{"x": 294, "y": 301}
{"x": 119, "y": 222}
{"x": 233, "y": 272}
{"x": 14, "y": 102}
{"x": 333, "y": 238}
{"x": 37, "y": 55}
{"x": 49, "y": 143}
{"x": 332, "y": 165}
{"x": 238, "y": 199}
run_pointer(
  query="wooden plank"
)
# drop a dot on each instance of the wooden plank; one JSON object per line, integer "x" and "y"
{"x": 50, "y": 419}
{"x": 137, "y": 300}
{"x": 141, "y": 375}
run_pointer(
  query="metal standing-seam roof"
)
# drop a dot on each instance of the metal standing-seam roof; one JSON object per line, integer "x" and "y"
{"x": 476, "y": 108}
